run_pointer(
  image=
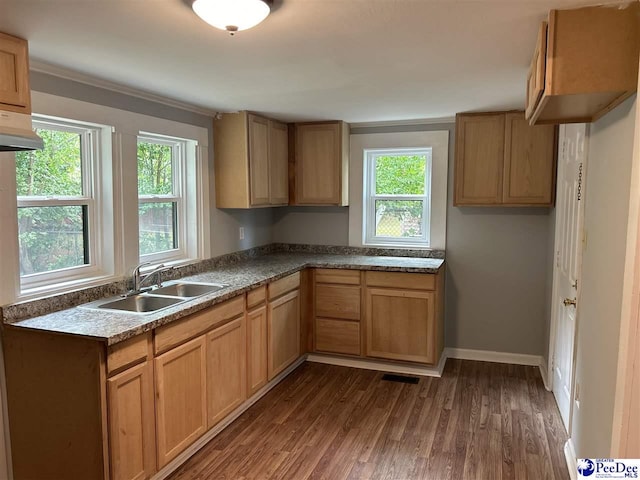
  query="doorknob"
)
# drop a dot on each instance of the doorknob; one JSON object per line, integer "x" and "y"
{"x": 568, "y": 301}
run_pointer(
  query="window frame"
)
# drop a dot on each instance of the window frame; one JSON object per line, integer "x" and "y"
{"x": 90, "y": 148}
{"x": 178, "y": 196}
{"x": 370, "y": 156}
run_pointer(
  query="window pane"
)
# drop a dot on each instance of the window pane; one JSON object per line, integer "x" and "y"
{"x": 400, "y": 219}
{"x": 52, "y": 238}
{"x": 54, "y": 170}
{"x": 155, "y": 175}
{"x": 158, "y": 227}
{"x": 400, "y": 174}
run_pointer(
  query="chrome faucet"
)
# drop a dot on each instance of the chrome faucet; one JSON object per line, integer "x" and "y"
{"x": 139, "y": 280}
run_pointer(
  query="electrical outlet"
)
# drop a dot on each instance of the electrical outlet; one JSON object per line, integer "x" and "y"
{"x": 241, "y": 233}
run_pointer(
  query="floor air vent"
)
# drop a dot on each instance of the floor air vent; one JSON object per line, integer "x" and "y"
{"x": 400, "y": 378}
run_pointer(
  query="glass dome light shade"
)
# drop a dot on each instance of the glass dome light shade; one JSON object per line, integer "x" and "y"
{"x": 231, "y": 15}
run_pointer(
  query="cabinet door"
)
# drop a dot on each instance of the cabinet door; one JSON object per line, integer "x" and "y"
{"x": 132, "y": 433}
{"x": 257, "y": 371}
{"x": 318, "y": 163}
{"x": 278, "y": 163}
{"x": 401, "y": 324}
{"x": 259, "y": 159}
{"x": 479, "y": 159}
{"x": 529, "y": 162}
{"x": 283, "y": 332}
{"x": 14, "y": 74}
{"x": 181, "y": 409}
{"x": 226, "y": 372}
{"x": 537, "y": 70}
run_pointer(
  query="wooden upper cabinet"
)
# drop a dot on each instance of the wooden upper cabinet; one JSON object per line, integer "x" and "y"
{"x": 479, "y": 159}
{"x": 15, "y": 94}
{"x": 250, "y": 161}
{"x": 322, "y": 163}
{"x": 585, "y": 63}
{"x": 279, "y": 163}
{"x": 259, "y": 160}
{"x": 503, "y": 161}
{"x": 529, "y": 162}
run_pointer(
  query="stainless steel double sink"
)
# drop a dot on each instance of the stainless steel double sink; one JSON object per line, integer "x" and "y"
{"x": 152, "y": 301}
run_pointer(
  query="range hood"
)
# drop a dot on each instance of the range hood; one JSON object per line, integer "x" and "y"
{"x": 16, "y": 133}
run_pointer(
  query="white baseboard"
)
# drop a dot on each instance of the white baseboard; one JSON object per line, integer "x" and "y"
{"x": 496, "y": 357}
{"x": 202, "y": 441}
{"x": 379, "y": 365}
{"x": 570, "y": 457}
{"x": 544, "y": 373}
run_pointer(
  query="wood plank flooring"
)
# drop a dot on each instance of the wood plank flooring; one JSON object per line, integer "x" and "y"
{"x": 480, "y": 421}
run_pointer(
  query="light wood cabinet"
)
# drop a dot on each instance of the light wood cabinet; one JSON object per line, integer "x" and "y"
{"x": 337, "y": 309}
{"x": 226, "y": 370}
{"x": 503, "y": 161}
{"x": 181, "y": 407}
{"x": 250, "y": 161}
{"x": 132, "y": 423}
{"x": 283, "y": 332}
{"x": 15, "y": 93}
{"x": 257, "y": 357}
{"x": 322, "y": 163}
{"x": 585, "y": 63}
{"x": 404, "y": 322}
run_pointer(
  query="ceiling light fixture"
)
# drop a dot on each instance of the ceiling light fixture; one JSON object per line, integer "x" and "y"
{"x": 232, "y": 15}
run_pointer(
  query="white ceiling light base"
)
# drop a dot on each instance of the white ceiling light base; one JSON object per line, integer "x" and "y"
{"x": 232, "y": 15}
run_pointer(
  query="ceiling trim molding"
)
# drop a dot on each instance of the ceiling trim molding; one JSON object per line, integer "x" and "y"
{"x": 68, "y": 74}
{"x": 402, "y": 123}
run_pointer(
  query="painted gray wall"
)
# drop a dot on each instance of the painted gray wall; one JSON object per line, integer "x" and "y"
{"x": 224, "y": 223}
{"x": 315, "y": 225}
{"x": 606, "y": 218}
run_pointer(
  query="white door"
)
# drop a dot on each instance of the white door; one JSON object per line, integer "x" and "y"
{"x": 572, "y": 163}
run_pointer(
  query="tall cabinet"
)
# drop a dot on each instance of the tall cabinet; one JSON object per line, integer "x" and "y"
{"x": 251, "y": 161}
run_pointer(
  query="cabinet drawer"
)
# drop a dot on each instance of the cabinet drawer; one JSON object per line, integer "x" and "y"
{"x": 127, "y": 353}
{"x": 414, "y": 281}
{"x": 330, "y": 275}
{"x": 284, "y": 285}
{"x": 338, "y": 301}
{"x": 337, "y": 336}
{"x": 256, "y": 297}
{"x": 176, "y": 333}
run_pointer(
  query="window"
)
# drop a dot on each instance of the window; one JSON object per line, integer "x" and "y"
{"x": 397, "y": 196}
{"x": 57, "y": 191}
{"x": 161, "y": 170}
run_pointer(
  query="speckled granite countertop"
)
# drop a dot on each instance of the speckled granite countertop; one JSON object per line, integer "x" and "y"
{"x": 113, "y": 327}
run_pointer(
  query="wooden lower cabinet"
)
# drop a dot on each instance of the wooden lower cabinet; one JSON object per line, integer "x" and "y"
{"x": 257, "y": 357}
{"x": 181, "y": 407}
{"x": 283, "y": 332}
{"x": 132, "y": 423}
{"x": 400, "y": 324}
{"x": 337, "y": 336}
{"x": 226, "y": 370}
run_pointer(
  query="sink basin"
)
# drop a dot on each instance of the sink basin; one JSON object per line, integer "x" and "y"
{"x": 140, "y": 304}
{"x": 187, "y": 290}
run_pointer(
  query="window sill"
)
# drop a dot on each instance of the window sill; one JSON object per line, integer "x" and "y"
{"x": 405, "y": 246}
{"x": 36, "y": 293}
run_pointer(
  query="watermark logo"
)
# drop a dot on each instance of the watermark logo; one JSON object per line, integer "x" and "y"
{"x": 586, "y": 467}
{"x": 608, "y": 468}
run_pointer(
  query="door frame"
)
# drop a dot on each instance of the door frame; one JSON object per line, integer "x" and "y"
{"x": 553, "y": 325}
{"x": 628, "y": 372}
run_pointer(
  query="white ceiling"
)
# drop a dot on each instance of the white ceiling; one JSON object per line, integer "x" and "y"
{"x": 354, "y": 60}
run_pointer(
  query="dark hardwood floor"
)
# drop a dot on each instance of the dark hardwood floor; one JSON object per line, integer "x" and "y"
{"x": 480, "y": 421}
